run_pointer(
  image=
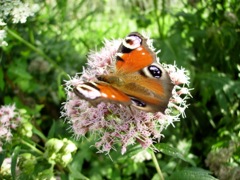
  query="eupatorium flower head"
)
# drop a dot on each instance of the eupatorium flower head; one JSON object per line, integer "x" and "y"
{"x": 9, "y": 121}
{"x": 17, "y": 11}
{"x": 117, "y": 125}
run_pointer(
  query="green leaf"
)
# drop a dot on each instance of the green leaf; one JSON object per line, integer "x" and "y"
{"x": 52, "y": 130}
{"x": 171, "y": 151}
{"x": 43, "y": 169}
{"x": 190, "y": 174}
{"x": 61, "y": 91}
{"x": 2, "y": 157}
{"x": 17, "y": 71}
{"x": 132, "y": 150}
{"x": 46, "y": 174}
{"x": 75, "y": 174}
{"x": 232, "y": 90}
{"x": 14, "y": 161}
{"x": 220, "y": 84}
{"x": 39, "y": 133}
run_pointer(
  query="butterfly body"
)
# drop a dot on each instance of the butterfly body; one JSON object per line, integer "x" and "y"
{"x": 138, "y": 80}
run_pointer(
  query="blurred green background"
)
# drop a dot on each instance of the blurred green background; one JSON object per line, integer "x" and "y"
{"x": 202, "y": 36}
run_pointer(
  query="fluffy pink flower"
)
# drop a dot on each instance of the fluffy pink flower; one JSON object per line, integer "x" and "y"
{"x": 9, "y": 120}
{"x": 113, "y": 124}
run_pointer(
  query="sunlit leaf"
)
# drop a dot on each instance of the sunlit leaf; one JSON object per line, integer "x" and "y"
{"x": 173, "y": 152}
{"x": 191, "y": 173}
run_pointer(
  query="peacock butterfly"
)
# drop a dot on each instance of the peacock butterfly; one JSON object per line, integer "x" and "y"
{"x": 138, "y": 80}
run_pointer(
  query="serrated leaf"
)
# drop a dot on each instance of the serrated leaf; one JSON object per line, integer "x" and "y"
{"x": 190, "y": 174}
{"x": 17, "y": 71}
{"x": 219, "y": 83}
{"x": 232, "y": 90}
{"x": 133, "y": 150}
{"x": 173, "y": 152}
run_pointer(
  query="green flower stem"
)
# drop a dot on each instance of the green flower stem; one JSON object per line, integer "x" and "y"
{"x": 32, "y": 147}
{"x": 160, "y": 18}
{"x": 157, "y": 165}
{"x": 157, "y": 17}
{"x": 37, "y": 50}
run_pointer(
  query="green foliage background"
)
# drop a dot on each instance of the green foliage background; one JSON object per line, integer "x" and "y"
{"x": 202, "y": 36}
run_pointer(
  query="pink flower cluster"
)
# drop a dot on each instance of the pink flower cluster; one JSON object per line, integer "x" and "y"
{"x": 9, "y": 120}
{"x": 115, "y": 125}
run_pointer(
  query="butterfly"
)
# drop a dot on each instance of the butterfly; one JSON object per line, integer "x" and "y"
{"x": 138, "y": 80}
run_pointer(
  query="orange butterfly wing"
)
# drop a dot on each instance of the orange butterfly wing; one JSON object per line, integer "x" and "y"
{"x": 138, "y": 80}
{"x": 137, "y": 59}
{"x": 98, "y": 91}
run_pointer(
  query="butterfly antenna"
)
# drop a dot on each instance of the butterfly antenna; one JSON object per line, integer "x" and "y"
{"x": 130, "y": 109}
